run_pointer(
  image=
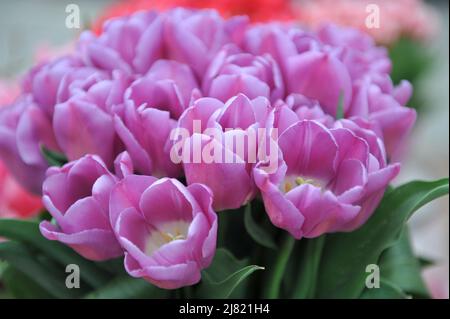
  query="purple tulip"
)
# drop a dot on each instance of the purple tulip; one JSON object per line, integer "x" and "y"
{"x": 228, "y": 173}
{"x": 24, "y": 128}
{"x": 83, "y": 124}
{"x": 43, "y": 82}
{"x": 26, "y": 125}
{"x": 241, "y": 109}
{"x": 233, "y": 72}
{"x": 331, "y": 181}
{"x": 130, "y": 43}
{"x": 133, "y": 43}
{"x": 340, "y": 62}
{"x": 168, "y": 231}
{"x": 77, "y": 196}
{"x": 195, "y": 36}
{"x": 379, "y": 101}
{"x": 167, "y": 85}
{"x": 298, "y": 108}
{"x": 356, "y": 50}
{"x": 144, "y": 122}
{"x": 324, "y": 78}
{"x": 309, "y": 68}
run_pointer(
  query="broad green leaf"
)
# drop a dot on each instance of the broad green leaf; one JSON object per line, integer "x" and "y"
{"x": 257, "y": 232}
{"x": 231, "y": 223}
{"x": 306, "y": 281}
{"x": 223, "y": 276}
{"x": 399, "y": 266}
{"x": 21, "y": 286}
{"x": 346, "y": 255}
{"x": 387, "y": 290}
{"x": 128, "y": 288}
{"x": 53, "y": 158}
{"x": 223, "y": 264}
{"x": 52, "y": 280}
{"x": 113, "y": 266}
{"x": 277, "y": 270}
{"x": 28, "y": 233}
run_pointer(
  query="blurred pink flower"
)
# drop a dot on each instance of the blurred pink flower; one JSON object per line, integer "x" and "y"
{"x": 14, "y": 200}
{"x": 400, "y": 18}
{"x": 436, "y": 279}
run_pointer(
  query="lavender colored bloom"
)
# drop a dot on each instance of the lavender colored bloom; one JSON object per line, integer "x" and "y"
{"x": 168, "y": 231}
{"x": 229, "y": 173}
{"x": 331, "y": 181}
{"x": 152, "y": 106}
{"x": 77, "y": 196}
{"x": 377, "y": 100}
{"x": 132, "y": 44}
{"x": 340, "y": 62}
{"x": 43, "y": 81}
{"x": 357, "y": 50}
{"x": 233, "y": 72}
{"x": 118, "y": 100}
{"x": 83, "y": 123}
{"x": 24, "y": 128}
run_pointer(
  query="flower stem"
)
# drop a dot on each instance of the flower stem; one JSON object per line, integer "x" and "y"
{"x": 307, "y": 278}
{"x": 276, "y": 275}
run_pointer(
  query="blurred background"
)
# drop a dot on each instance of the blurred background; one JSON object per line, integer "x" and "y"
{"x": 416, "y": 33}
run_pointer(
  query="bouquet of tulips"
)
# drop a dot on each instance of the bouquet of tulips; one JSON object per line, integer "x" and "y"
{"x": 181, "y": 154}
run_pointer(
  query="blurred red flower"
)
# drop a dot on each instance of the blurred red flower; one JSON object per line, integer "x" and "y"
{"x": 257, "y": 10}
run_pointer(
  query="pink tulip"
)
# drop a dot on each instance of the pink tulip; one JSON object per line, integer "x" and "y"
{"x": 377, "y": 100}
{"x": 331, "y": 181}
{"x": 168, "y": 231}
{"x": 77, "y": 196}
{"x": 23, "y": 128}
{"x": 15, "y": 201}
{"x": 228, "y": 175}
{"x": 233, "y": 72}
{"x": 132, "y": 44}
{"x": 152, "y": 106}
{"x": 82, "y": 124}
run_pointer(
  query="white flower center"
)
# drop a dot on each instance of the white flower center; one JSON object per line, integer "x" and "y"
{"x": 165, "y": 233}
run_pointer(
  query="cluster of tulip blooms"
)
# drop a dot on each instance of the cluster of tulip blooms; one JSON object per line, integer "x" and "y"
{"x": 112, "y": 106}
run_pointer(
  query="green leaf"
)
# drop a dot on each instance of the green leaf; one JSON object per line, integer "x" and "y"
{"x": 128, "y": 288}
{"x": 53, "y": 158}
{"x": 399, "y": 266}
{"x": 112, "y": 266}
{"x": 3, "y": 266}
{"x": 258, "y": 233}
{"x": 21, "y": 286}
{"x": 27, "y": 232}
{"x": 418, "y": 60}
{"x": 308, "y": 274}
{"x": 340, "y": 108}
{"x": 277, "y": 271}
{"x": 52, "y": 280}
{"x": 425, "y": 262}
{"x": 346, "y": 255}
{"x": 410, "y": 61}
{"x": 387, "y": 290}
{"x": 224, "y": 275}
